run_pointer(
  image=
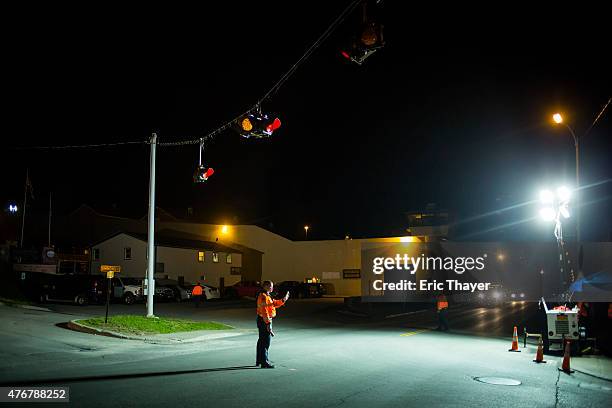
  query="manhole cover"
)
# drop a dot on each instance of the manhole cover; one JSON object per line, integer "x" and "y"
{"x": 497, "y": 380}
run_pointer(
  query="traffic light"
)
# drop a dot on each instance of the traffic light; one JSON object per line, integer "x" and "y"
{"x": 202, "y": 173}
{"x": 367, "y": 40}
{"x": 257, "y": 125}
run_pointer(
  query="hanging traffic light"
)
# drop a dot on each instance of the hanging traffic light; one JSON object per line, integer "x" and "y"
{"x": 368, "y": 39}
{"x": 202, "y": 172}
{"x": 257, "y": 124}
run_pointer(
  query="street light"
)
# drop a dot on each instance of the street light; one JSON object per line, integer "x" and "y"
{"x": 306, "y": 228}
{"x": 558, "y": 119}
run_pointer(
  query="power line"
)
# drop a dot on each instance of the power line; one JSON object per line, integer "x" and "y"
{"x": 597, "y": 117}
{"x": 278, "y": 84}
{"x": 227, "y": 124}
{"x": 95, "y": 145}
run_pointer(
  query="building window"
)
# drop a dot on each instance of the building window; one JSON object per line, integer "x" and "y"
{"x": 127, "y": 253}
{"x": 235, "y": 270}
{"x": 228, "y": 258}
{"x": 95, "y": 254}
{"x": 215, "y": 257}
{"x": 200, "y": 256}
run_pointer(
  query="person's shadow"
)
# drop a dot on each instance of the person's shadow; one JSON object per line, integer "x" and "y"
{"x": 124, "y": 376}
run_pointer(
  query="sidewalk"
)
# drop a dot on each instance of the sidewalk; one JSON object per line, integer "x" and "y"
{"x": 170, "y": 338}
{"x": 597, "y": 366}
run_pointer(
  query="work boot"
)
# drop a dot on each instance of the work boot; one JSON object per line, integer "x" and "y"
{"x": 267, "y": 365}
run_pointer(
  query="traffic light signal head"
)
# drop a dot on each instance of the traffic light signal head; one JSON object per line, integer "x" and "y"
{"x": 257, "y": 125}
{"x": 202, "y": 173}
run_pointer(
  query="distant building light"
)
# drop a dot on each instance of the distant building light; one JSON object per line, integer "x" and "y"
{"x": 13, "y": 208}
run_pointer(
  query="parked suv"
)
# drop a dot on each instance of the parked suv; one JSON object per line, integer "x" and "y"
{"x": 80, "y": 289}
{"x": 129, "y": 290}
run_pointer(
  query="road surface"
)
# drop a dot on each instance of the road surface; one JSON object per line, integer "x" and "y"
{"x": 323, "y": 359}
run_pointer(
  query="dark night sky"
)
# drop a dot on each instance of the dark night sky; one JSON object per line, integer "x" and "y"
{"x": 454, "y": 110}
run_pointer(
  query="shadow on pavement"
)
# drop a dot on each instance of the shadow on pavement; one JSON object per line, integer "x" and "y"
{"x": 123, "y": 376}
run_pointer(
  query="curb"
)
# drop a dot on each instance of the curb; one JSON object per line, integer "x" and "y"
{"x": 214, "y": 335}
{"x": 28, "y": 307}
{"x": 589, "y": 373}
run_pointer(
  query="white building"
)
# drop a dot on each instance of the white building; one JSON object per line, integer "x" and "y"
{"x": 179, "y": 257}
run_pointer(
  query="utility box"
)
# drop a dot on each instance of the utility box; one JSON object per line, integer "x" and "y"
{"x": 561, "y": 324}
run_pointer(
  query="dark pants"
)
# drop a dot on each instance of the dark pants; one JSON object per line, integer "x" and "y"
{"x": 443, "y": 319}
{"x": 263, "y": 343}
{"x": 197, "y": 299}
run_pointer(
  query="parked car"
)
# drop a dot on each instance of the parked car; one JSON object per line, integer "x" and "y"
{"x": 209, "y": 292}
{"x": 241, "y": 289}
{"x": 80, "y": 289}
{"x": 299, "y": 290}
{"x": 180, "y": 293}
{"x": 296, "y": 289}
{"x": 164, "y": 294}
{"x": 128, "y": 290}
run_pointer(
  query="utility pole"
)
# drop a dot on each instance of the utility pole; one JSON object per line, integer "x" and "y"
{"x": 25, "y": 202}
{"x": 151, "y": 238}
{"x": 49, "y": 240}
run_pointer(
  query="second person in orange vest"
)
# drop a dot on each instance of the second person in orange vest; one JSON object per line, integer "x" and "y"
{"x": 266, "y": 311}
{"x": 196, "y": 294}
{"x": 442, "y": 310}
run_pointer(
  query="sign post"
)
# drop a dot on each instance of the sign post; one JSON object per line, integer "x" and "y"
{"x": 110, "y": 273}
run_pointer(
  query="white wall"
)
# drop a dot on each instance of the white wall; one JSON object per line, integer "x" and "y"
{"x": 177, "y": 261}
{"x": 184, "y": 262}
{"x": 111, "y": 253}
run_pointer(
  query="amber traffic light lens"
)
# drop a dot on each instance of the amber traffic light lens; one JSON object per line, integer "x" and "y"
{"x": 246, "y": 125}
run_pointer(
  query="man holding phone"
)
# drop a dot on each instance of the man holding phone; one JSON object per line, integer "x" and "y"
{"x": 266, "y": 311}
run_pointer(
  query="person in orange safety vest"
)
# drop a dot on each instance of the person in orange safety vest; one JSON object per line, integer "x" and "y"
{"x": 266, "y": 311}
{"x": 442, "y": 310}
{"x": 196, "y": 294}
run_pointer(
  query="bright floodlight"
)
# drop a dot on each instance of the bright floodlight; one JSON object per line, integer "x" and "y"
{"x": 564, "y": 212}
{"x": 546, "y": 196}
{"x": 558, "y": 118}
{"x": 563, "y": 193}
{"x": 547, "y": 214}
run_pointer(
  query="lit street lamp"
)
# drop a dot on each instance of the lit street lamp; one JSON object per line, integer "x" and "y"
{"x": 558, "y": 119}
{"x": 306, "y": 228}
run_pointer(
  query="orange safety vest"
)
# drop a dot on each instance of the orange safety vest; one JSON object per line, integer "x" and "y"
{"x": 442, "y": 303}
{"x": 197, "y": 290}
{"x": 266, "y": 307}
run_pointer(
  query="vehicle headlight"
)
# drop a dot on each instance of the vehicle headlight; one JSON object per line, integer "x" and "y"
{"x": 496, "y": 295}
{"x": 513, "y": 295}
{"x": 522, "y": 295}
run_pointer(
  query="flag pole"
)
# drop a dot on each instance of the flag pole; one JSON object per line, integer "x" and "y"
{"x": 25, "y": 201}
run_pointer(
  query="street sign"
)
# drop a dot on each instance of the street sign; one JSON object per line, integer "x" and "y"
{"x": 110, "y": 270}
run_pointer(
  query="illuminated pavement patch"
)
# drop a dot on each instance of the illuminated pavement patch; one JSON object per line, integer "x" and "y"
{"x": 497, "y": 380}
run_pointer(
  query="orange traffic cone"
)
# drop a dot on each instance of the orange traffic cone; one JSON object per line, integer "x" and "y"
{"x": 515, "y": 347}
{"x": 540, "y": 353}
{"x": 565, "y": 367}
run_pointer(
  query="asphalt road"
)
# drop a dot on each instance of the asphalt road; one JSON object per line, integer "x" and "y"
{"x": 323, "y": 359}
